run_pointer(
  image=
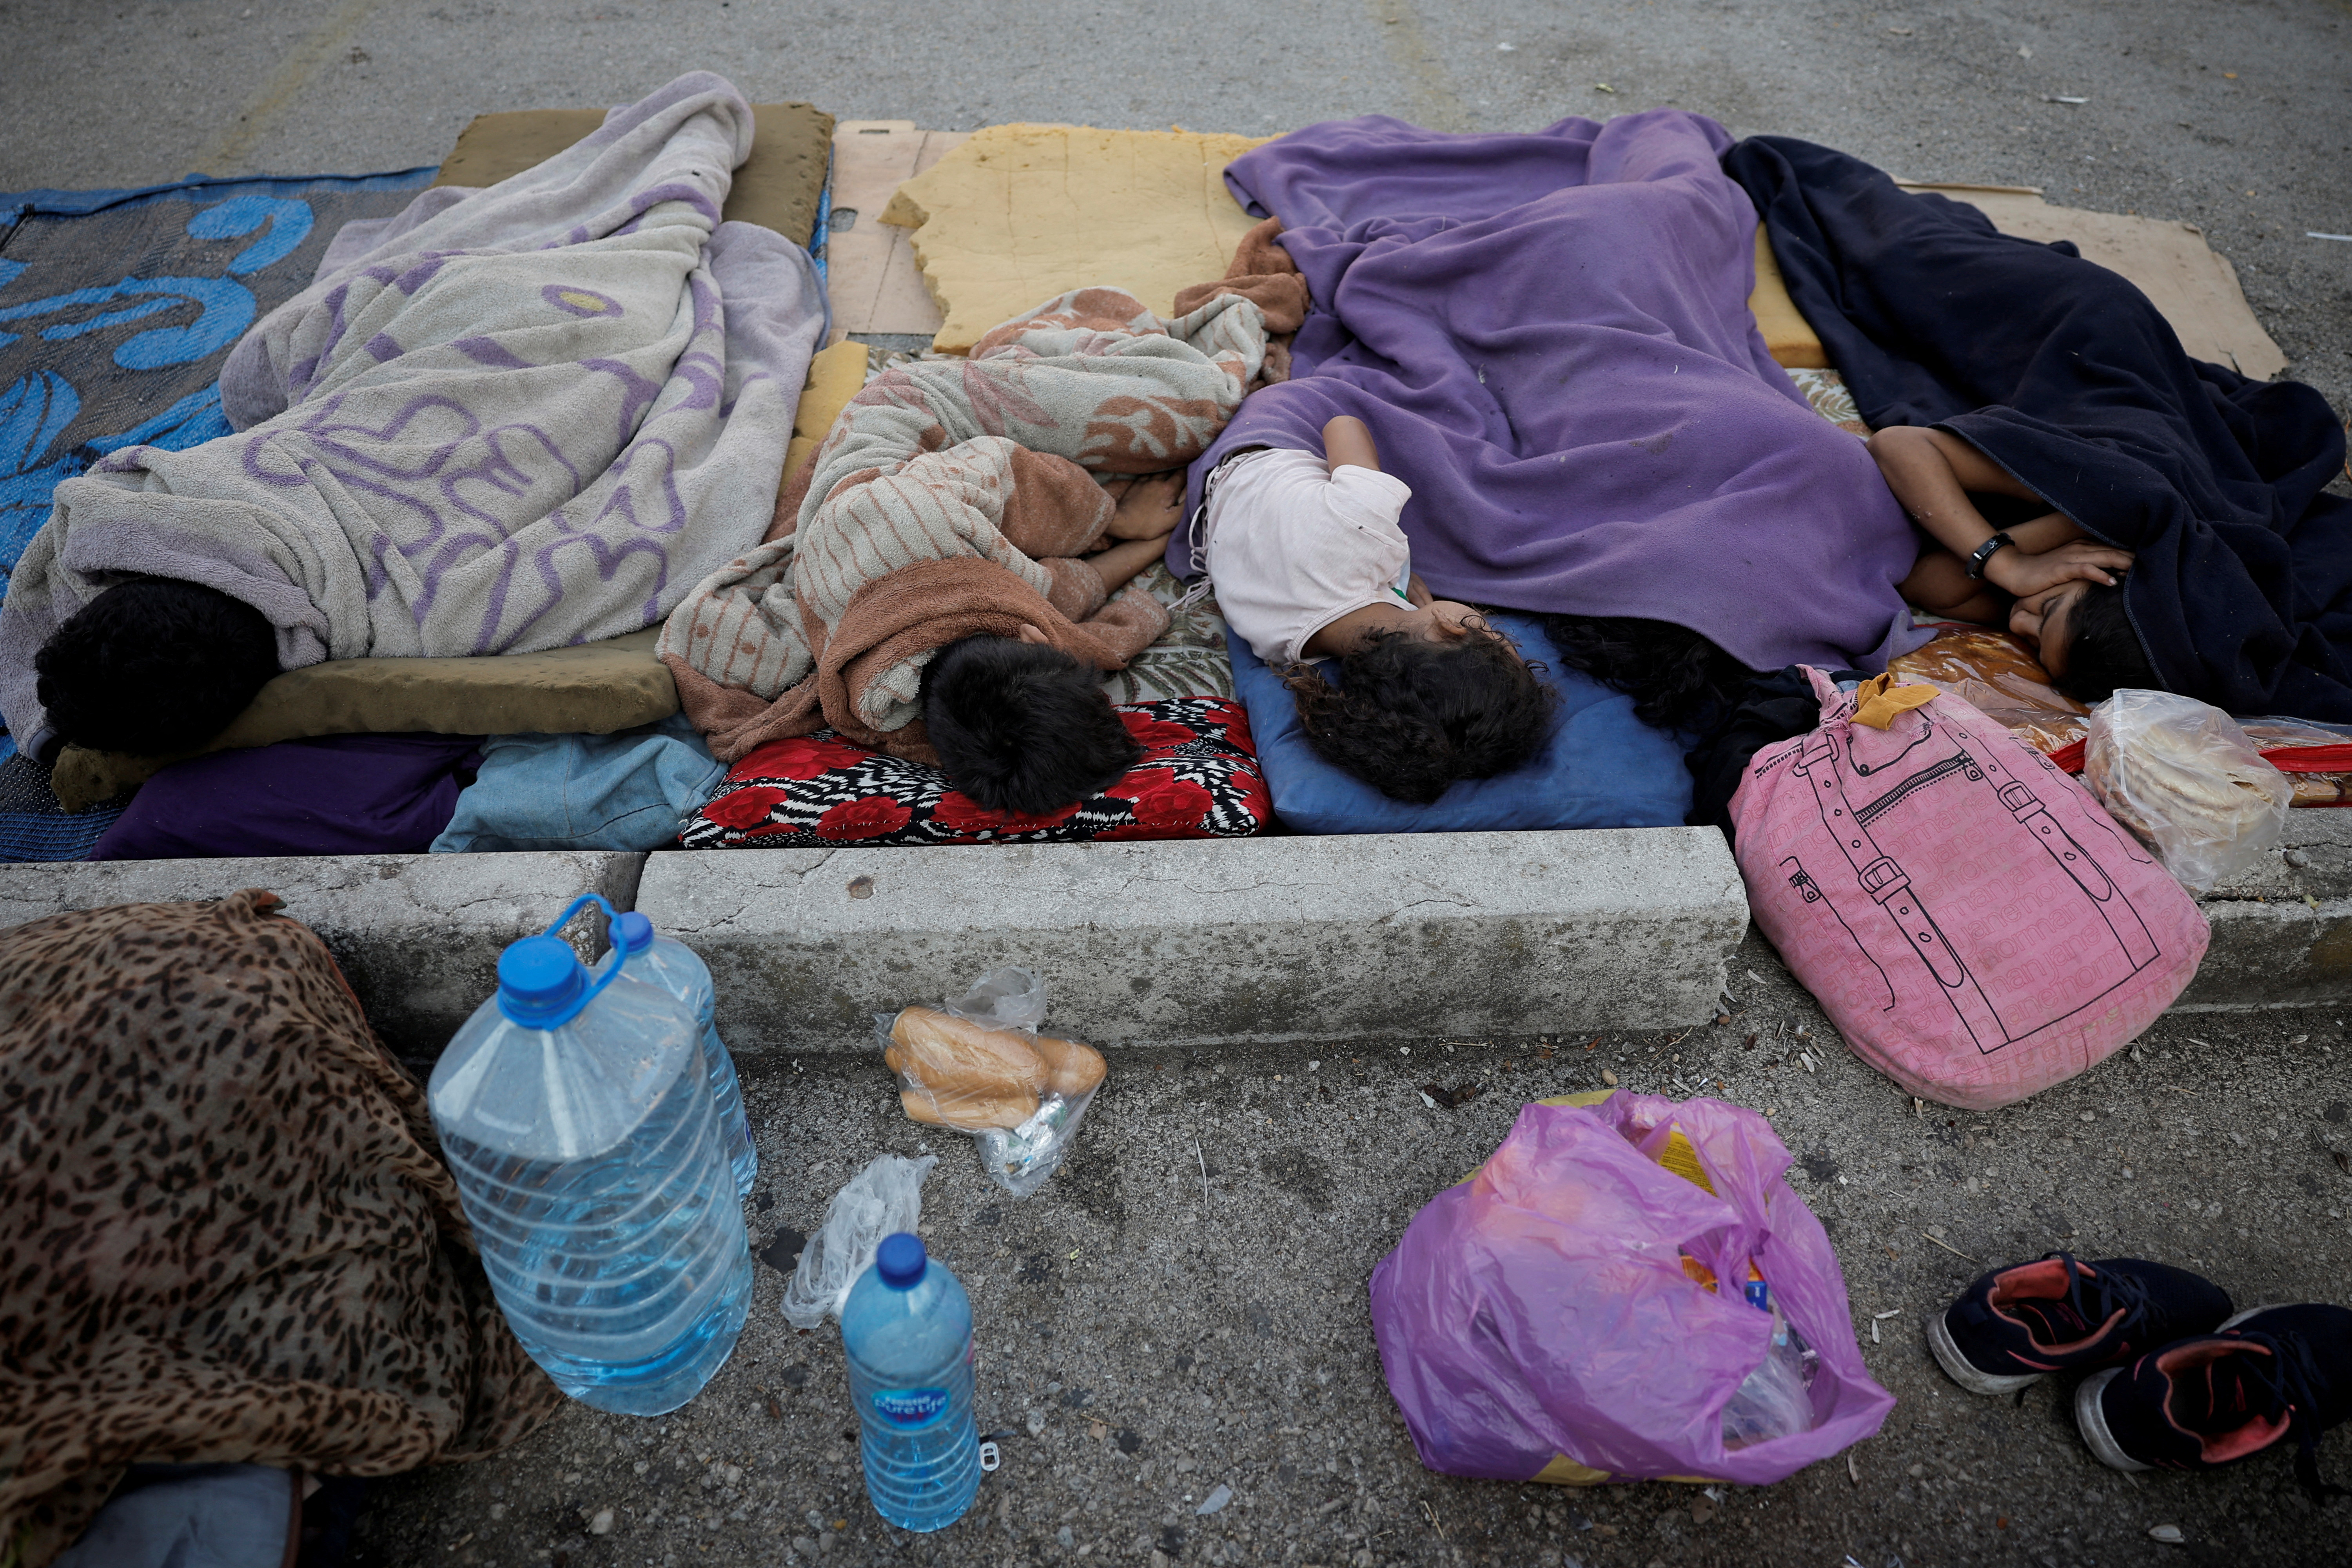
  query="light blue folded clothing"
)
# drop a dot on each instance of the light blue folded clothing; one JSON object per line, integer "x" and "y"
{"x": 191, "y": 1516}
{"x": 625, "y": 791}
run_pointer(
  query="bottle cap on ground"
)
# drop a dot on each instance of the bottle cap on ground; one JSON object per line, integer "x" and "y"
{"x": 538, "y": 978}
{"x": 632, "y": 932}
{"x": 901, "y": 1261}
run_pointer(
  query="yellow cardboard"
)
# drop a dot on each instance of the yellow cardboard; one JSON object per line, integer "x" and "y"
{"x": 1019, "y": 213}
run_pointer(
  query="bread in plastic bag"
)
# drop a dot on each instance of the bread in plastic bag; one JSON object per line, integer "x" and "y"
{"x": 1997, "y": 674}
{"x": 2183, "y": 777}
{"x": 978, "y": 1065}
{"x": 883, "y": 1199}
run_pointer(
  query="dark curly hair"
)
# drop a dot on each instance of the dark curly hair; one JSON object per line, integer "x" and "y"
{"x": 1021, "y": 727}
{"x": 1409, "y": 717}
{"x": 153, "y": 665}
{"x": 2103, "y": 652}
{"x": 1677, "y": 679}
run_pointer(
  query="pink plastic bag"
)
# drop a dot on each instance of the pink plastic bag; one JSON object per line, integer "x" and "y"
{"x": 1972, "y": 921}
{"x": 1537, "y": 1324}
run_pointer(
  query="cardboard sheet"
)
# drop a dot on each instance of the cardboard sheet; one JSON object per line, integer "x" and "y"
{"x": 2194, "y": 286}
{"x": 870, "y": 269}
{"x": 1788, "y": 336}
{"x": 778, "y": 186}
{"x": 1019, "y": 213}
{"x": 834, "y": 376}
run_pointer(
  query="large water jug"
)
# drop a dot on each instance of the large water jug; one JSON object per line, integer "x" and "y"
{"x": 907, "y": 1329}
{"x": 576, "y": 1116}
{"x": 657, "y": 960}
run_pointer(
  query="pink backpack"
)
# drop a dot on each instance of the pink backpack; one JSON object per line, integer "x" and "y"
{"x": 1970, "y": 916}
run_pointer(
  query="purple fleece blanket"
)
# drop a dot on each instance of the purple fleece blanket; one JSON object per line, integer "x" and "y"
{"x": 1550, "y": 337}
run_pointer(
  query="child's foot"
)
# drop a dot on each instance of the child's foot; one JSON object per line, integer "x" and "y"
{"x": 1149, "y": 509}
{"x": 2215, "y": 1399}
{"x": 2021, "y": 1324}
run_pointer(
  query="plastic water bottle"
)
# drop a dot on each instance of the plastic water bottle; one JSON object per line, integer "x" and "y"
{"x": 1774, "y": 1401}
{"x": 906, "y": 1328}
{"x": 662, "y": 961}
{"x": 576, "y": 1116}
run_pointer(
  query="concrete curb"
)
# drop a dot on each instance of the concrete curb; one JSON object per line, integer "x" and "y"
{"x": 418, "y": 935}
{"x": 1201, "y": 942}
{"x": 1205, "y": 943}
{"x": 2283, "y": 933}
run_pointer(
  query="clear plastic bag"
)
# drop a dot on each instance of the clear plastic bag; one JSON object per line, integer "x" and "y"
{"x": 883, "y": 1199}
{"x": 1996, "y": 673}
{"x": 977, "y": 1063}
{"x": 2183, "y": 776}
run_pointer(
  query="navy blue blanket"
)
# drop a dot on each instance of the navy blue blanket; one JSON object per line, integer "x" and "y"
{"x": 2065, "y": 375}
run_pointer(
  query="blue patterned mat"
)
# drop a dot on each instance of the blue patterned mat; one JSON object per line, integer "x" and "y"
{"x": 116, "y": 311}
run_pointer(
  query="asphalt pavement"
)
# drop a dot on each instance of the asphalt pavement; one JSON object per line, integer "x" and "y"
{"x": 2234, "y": 116}
{"x": 1183, "y": 1307}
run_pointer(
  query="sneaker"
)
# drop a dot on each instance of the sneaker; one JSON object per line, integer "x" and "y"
{"x": 2216, "y": 1398}
{"x": 2024, "y": 1322}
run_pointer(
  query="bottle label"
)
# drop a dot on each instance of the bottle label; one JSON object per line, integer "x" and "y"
{"x": 909, "y": 1409}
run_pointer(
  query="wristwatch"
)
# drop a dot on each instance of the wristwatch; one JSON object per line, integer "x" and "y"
{"x": 1984, "y": 552}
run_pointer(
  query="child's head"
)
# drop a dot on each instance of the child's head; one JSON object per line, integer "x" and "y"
{"x": 1022, "y": 727}
{"x": 2084, "y": 638}
{"x": 155, "y": 666}
{"x": 1412, "y": 714}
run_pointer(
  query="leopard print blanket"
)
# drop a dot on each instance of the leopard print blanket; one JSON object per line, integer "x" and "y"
{"x": 226, "y": 1231}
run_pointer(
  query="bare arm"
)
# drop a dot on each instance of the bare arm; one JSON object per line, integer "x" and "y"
{"x": 1120, "y": 562}
{"x": 1931, "y": 474}
{"x": 1347, "y": 444}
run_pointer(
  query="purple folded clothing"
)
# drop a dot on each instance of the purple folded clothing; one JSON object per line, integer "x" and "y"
{"x": 1550, "y": 337}
{"x": 337, "y": 794}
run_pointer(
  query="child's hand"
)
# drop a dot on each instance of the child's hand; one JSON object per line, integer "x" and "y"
{"x": 1149, "y": 508}
{"x": 2084, "y": 560}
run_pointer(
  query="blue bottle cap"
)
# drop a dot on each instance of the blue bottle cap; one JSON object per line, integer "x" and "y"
{"x": 901, "y": 1261}
{"x": 632, "y": 932}
{"x": 539, "y": 979}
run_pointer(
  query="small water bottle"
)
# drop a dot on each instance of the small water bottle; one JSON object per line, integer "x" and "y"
{"x": 677, "y": 969}
{"x": 906, "y": 1328}
{"x": 577, "y": 1118}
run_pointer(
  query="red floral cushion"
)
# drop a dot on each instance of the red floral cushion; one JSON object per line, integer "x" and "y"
{"x": 1199, "y": 779}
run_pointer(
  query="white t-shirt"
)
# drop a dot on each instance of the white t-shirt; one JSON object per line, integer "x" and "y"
{"x": 1292, "y": 547}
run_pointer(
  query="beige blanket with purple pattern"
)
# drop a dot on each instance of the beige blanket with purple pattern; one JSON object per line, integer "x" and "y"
{"x": 926, "y": 465}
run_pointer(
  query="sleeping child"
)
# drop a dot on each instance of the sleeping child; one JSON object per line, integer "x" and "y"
{"x": 1311, "y": 568}
{"x": 2042, "y": 577}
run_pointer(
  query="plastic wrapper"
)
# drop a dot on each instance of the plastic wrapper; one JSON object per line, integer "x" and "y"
{"x": 2315, "y": 758}
{"x": 2185, "y": 779}
{"x": 883, "y": 1199}
{"x": 978, "y": 1065}
{"x": 1998, "y": 675}
{"x": 1555, "y": 1316}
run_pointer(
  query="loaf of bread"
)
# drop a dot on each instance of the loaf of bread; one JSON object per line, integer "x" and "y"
{"x": 1071, "y": 1069}
{"x": 968, "y": 1113}
{"x": 951, "y": 1055}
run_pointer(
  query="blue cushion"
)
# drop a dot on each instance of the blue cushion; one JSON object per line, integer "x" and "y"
{"x": 1602, "y": 768}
